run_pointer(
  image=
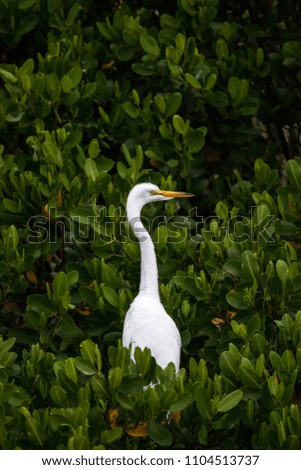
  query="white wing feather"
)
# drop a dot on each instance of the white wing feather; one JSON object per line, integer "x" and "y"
{"x": 147, "y": 325}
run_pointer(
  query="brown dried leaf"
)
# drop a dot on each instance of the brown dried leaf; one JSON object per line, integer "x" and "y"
{"x": 137, "y": 431}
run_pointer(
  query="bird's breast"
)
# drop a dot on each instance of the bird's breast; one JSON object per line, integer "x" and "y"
{"x": 147, "y": 325}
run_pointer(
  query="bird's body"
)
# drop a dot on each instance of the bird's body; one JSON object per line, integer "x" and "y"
{"x": 147, "y": 324}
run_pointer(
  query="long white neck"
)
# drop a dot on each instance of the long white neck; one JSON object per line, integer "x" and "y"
{"x": 149, "y": 270}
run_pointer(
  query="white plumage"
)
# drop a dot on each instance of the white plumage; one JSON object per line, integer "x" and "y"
{"x": 147, "y": 324}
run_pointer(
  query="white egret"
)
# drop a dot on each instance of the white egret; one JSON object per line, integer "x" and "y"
{"x": 147, "y": 324}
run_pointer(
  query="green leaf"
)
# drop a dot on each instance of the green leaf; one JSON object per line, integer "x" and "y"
{"x": 165, "y": 131}
{"x": 288, "y": 361}
{"x": 8, "y": 76}
{"x": 275, "y": 360}
{"x": 168, "y": 21}
{"x": 229, "y": 364}
{"x": 72, "y": 277}
{"x": 293, "y": 169}
{"x": 89, "y": 296}
{"x": 179, "y": 124}
{"x": 159, "y": 434}
{"x": 35, "y": 431}
{"x": 221, "y": 210}
{"x": 262, "y": 172}
{"x": 6, "y": 345}
{"x": 58, "y": 395}
{"x": 141, "y": 69}
{"x": 52, "y": 153}
{"x": 235, "y": 299}
{"x": 272, "y": 384}
{"x": 122, "y": 359}
{"x": 72, "y": 14}
{"x": 239, "y": 329}
{"x": 195, "y": 140}
{"x": 160, "y": 102}
{"x": 221, "y": 49}
{"x": 64, "y": 381}
{"x": 104, "y": 164}
{"x": 11, "y": 241}
{"x": 108, "y": 275}
{"x": 100, "y": 387}
{"x": 10, "y": 205}
{"x": 122, "y": 170}
{"x": 67, "y": 326}
{"x": 167, "y": 36}
{"x": 90, "y": 352}
{"x": 187, "y": 6}
{"x": 145, "y": 362}
{"x": 173, "y": 103}
{"x": 91, "y": 169}
{"x": 261, "y": 214}
{"x": 82, "y": 215}
{"x": 73, "y": 139}
{"x": 93, "y": 149}
{"x": 259, "y": 344}
{"x": 111, "y": 435}
{"x": 202, "y": 373}
{"x": 193, "y": 81}
{"x": 182, "y": 401}
{"x": 111, "y": 296}
{"x": 66, "y": 84}
{"x": 130, "y": 109}
{"x": 18, "y": 397}
{"x": 217, "y": 99}
{"x": 40, "y": 303}
{"x": 105, "y": 31}
{"x": 59, "y": 286}
{"x": 238, "y": 89}
{"x": 282, "y": 271}
{"x": 292, "y": 443}
{"x": 249, "y": 377}
{"x": 75, "y": 75}
{"x": 84, "y": 366}
{"x": 211, "y": 81}
{"x": 124, "y": 400}
{"x": 149, "y": 44}
{"x": 124, "y": 53}
{"x": 203, "y": 403}
{"x": 70, "y": 369}
{"x": 230, "y": 401}
{"x": 248, "y": 107}
{"x": 260, "y": 363}
{"x": 249, "y": 265}
{"x": 180, "y": 43}
{"x": 115, "y": 377}
{"x": 131, "y": 384}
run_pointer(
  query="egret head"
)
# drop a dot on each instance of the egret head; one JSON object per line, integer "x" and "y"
{"x": 142, "y": 194}
{"x": 145, "y": 193}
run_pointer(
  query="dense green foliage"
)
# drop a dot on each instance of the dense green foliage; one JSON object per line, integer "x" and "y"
{"x": 195, "y": 95}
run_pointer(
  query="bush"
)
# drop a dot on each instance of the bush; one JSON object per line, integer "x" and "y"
{"x": 204, "y": 96}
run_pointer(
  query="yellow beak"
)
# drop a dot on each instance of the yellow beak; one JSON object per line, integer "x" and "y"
{"x": 162, "y": 192}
